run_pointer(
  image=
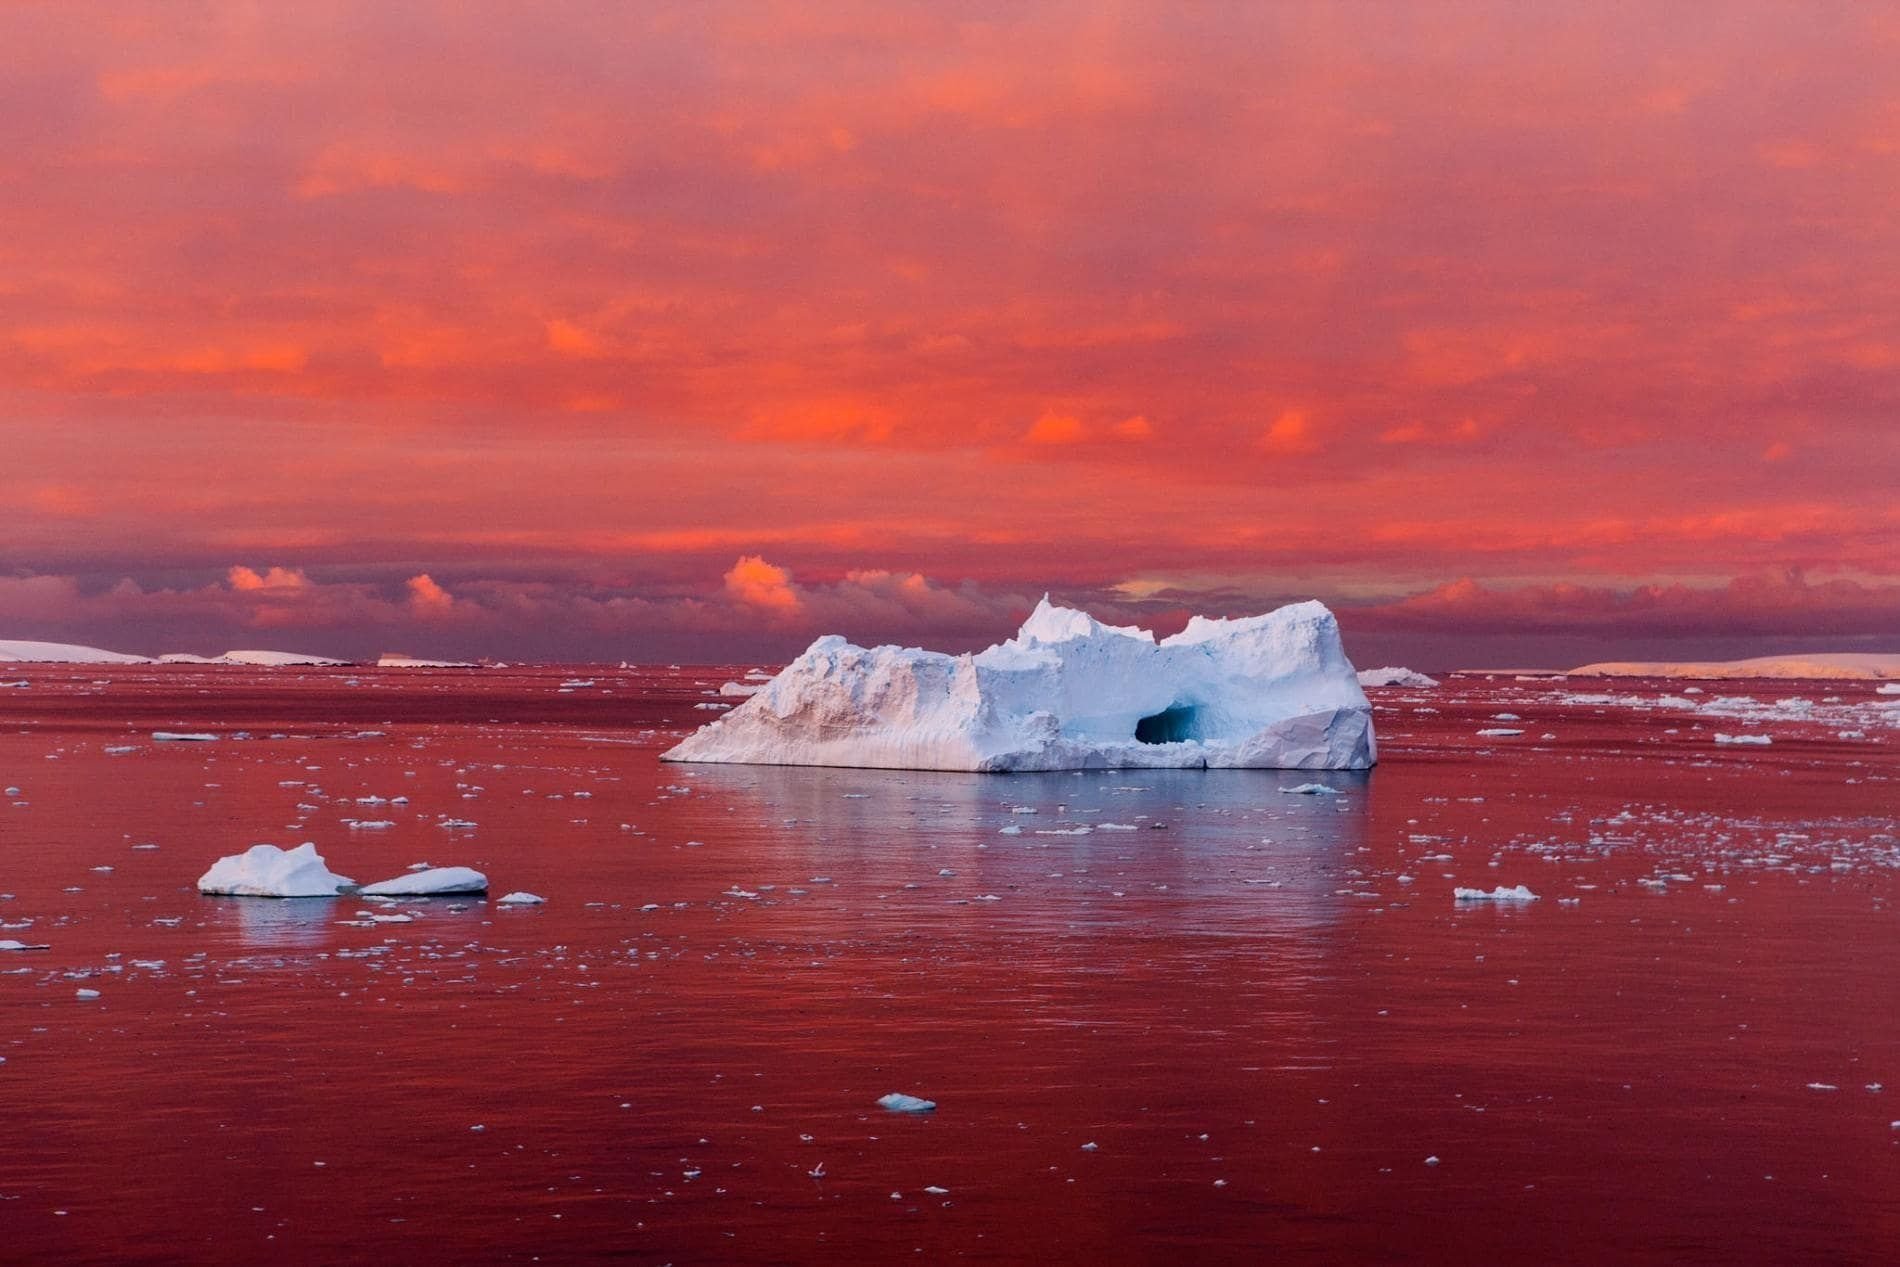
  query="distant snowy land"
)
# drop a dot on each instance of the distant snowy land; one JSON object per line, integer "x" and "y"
{"x": 1821, "y": 666}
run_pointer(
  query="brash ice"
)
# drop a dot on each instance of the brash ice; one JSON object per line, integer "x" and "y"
{"x": 1066, "y": 693}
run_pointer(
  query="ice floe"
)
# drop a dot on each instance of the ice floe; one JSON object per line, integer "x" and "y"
{"x": 898, "y": 1102}
{"x": 267, "y": 871}
{"x": 1393, "y": 675}
{"x": 1067, "y": 692}
{"x": 1520, "y": 893}
{"x": 433, "y": 882}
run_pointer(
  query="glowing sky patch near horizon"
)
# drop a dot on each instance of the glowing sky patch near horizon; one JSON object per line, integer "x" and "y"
{"x": 610, "y": 331}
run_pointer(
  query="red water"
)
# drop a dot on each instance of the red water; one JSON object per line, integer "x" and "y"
{"x": 1264, "y": 1011}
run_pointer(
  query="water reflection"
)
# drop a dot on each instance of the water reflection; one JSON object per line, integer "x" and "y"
{"x": 278, "y": 923}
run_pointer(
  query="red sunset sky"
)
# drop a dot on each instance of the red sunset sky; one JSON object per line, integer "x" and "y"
{"x": 1519, "y": 332}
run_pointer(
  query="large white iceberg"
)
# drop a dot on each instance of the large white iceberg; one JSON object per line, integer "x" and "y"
{"x": 1066, "y": 693}
{"x": 267, "y": 871}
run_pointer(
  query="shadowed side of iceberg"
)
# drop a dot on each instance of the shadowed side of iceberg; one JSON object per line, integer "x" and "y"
{"x": 1066, "y": 693}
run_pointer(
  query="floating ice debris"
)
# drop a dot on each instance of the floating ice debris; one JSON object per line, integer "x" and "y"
{"x": 1521, "y": 893}
{"x": 1498, "y": 732}
{"x": 369, "y": 824}
{"x": 1822, "y": 1086}
{"x": 1762, "y": 740}
{"x": 180, "y": 736}
{"x": 83, "y": 993}
{"x": 434, "y": 882}
{"x": 267, "y": 871}
{"x": 7, "y": 943}
{"x": 1067, "y": 692}
{"x": 898, "y": 1102}
{"x": 1431, "y": 1161}
{"x": 1311, "y": 789}
{"x": 520, "y": 899}
{"x": 1090, "y": 1147}
{"x": 1392, "y": 675}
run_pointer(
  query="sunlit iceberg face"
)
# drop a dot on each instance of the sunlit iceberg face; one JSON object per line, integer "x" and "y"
{"x": 1066, "y": 693}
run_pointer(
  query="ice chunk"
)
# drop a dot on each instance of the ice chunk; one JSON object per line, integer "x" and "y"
{"x": 1521, "y": 893}
{"x": 898, "y": 1102}
{"x": 267, "y": 871}
{"x": 1311, "y": 789}
{"x": 520, "y": 899}
{"x": 434, "y": 882}
{"x": 1066, "y": 693}
{"x": 1758, "y": 740}
{"x": 7, "y": 943}
{"x": 179, "y": 736}
{"x": 1392, "y": 675}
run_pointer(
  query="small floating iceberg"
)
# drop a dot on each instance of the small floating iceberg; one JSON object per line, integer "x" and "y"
{"x": 1393, "y": 675}
{"x": 434, "y": 882}
{"x": 1521, "y": 893}
{"x": 520, "y": 899}
{"x": 179, "y": 736}
{"x": 898, "y": 1102}
{"x": 267, "y": 871}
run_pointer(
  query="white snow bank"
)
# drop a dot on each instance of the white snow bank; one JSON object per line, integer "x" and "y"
{"x": 1392, "y": 675}
{"x": 63, "y": 653}
{"x": 1066, "y": 693}
{"x": 1843, "y": 664}
{"x": 1521, "y": 893}
{"x": 898, "y": 1102}
{"x": 267, "y": 871}
{"x": 434, "y": 882}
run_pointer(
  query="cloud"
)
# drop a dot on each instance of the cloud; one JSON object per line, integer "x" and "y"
{"x": 1290, "y": 434}
{"x": 248, "y": 580}
{"x": 428, "y": 599}
{"x": 1054, "y": 428}
{"x": 755, "y": 583}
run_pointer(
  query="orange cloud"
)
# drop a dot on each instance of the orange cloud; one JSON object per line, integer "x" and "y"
{"x": 1054, "y": 428}
{"x": 428, "y": 599}
{"x": 756, "y": 583}
{"x": 1290, "y": 434}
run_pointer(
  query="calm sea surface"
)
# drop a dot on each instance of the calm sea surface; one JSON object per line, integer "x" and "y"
{"x": 1166, "y": 1016}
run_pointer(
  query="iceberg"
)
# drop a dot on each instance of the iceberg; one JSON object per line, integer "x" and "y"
{"x": 1392, "y": 675}
{"x": 267, "y": 871}
{"x": 252, "y": 659}
{"x": 1066, "y": 693}
{"x": 1520, "y": 893}
{"x": 1829, "y": 665}
{"x": 898, "y": 1102}
{"x": 433, "y": 882}
{"x": 63, "y": 653}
